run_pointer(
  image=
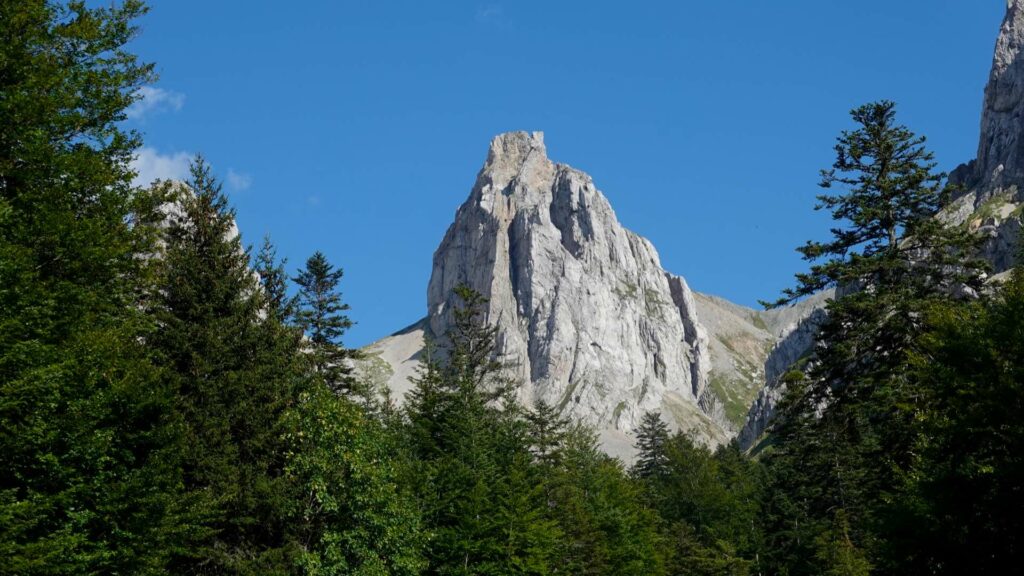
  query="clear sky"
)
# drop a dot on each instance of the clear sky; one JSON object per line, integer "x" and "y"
{"x": 358, "y": 127}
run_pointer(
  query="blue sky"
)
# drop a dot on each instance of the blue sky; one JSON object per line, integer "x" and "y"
{"x": 357, "y": 128}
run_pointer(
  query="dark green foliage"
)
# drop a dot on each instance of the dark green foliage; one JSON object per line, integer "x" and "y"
{"x": 161, "y": 411}
{"x": 274, "y": 281}
{"x": 321, "y": 314}
{"x": 89, "y": 475}
{"x": 472, "y": 455}
{"x": 234, "y": 374}
{"x": 711, "y": 504}
{"x": 846, "y": 434}
{"x": 961, "y": 508}
{"x": 605, "y": 526}
{"x": 652, "y": 446}
{"x": 887, "y": 235}
{"x": 292, "y": 477}
{"x": 547, "y": 434}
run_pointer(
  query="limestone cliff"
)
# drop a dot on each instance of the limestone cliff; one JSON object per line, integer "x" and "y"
{"x": 993, "y": 183}
{"x": 586, "y": 315}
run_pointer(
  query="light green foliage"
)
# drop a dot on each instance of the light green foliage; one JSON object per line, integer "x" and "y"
{"x": 836, "y": 553}
{"x": 352, "y": 517}
{"x": 375, "y": 372}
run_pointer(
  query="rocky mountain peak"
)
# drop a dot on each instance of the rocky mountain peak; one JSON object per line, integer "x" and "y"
{"x": 587, "y": 316}
{"x": 992, "y": 184}
{"x": 1001, "y": 150}
{"x": 509, "y": 155}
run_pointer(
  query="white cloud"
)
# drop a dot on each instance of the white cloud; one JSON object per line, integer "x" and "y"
{"x": 238, "y": 181}
{"x": 153, "y": 99}
{"x": 149, "y": 164}
{"x": 489, "y": 14}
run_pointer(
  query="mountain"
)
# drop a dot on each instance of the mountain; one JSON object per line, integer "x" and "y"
{"x": 587, "y": 318}
{"x": 591, "y": 323}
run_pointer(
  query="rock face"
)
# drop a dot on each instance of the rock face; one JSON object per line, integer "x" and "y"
{"x": 994, "y": 181}
{"x": 795, "y": 328}
{"x": 588, "y": 318}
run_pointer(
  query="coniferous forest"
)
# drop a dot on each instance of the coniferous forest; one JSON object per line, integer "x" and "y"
{"x": 173, "y": 401}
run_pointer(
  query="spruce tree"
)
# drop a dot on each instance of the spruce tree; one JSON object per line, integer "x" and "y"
{"x": 484, "y": 501}
{"x": 90, "y": 474}
{"x": 274, "y": 281}
{"x": 547, "y": 433}
{"x": 651, "y": 443}
{"x": 851, "y": 434}
{"x": 235, "y": 371}
{"x": 321, "y": 314}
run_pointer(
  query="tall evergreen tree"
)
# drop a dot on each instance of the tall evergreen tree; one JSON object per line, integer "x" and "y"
{"x": 485, "y": 507}
{"x": 274, "y": 280}
{"x": 321, "y": 313}
{"x": 547, "y": 433}
{"x": 652, "y": 444}
{"x": 607, "y": 527}
{"x": 90, "y": 474}
{"x": 852, "y": 433}
{"x": 235, "y": 372}
{"x": 961, "y": 510}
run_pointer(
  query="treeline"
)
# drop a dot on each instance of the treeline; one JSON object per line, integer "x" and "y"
{"x": 173, "y": 403}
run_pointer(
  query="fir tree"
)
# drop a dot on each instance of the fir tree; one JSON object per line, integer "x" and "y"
{"x": 235, "y": 372}
{"x": 851, "y": 434}
{"x": 321, "y": 314}
{"x": 651, "y": 443}
{"x": 90, "y": 475}
{"x": 547, "y": 434}
{"x": 274, "y": 280}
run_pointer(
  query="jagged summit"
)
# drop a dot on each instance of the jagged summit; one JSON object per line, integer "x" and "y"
{"x": 584, "y": 309}
{"x": 993, "y": 183}
{"x": 1000, "y": 158}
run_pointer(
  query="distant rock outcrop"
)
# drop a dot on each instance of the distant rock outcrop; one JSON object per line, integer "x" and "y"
{"x": 796, "y": 329}
{"x": 993, "y": 183}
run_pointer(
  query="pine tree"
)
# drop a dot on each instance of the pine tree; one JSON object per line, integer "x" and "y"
{"x": 851, "y": 435}
{"x": 90, "y": 475}
{"x": 274, "y": 280}
{"x": 235, "y": 372}
{"x": 547, "y": 434}
{"x": 651, "y": 442}
{"x": 321, "y": 314}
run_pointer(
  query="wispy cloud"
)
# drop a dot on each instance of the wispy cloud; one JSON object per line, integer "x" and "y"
{"x": 238, "y": 181}
{"x": 153, "y": 100}
{"x": 489, "y": 13}
{"x": 150, "y": 165}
